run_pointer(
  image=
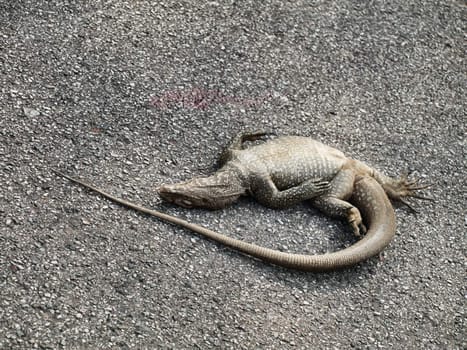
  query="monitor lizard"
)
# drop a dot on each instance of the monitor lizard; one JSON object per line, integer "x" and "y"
{"x": 281, "y": 172}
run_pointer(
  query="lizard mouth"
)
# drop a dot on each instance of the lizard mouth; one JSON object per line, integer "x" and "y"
{"x": 183, "y": 202}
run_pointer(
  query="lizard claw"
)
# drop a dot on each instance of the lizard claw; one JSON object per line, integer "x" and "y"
{"x": 317, "y": 186}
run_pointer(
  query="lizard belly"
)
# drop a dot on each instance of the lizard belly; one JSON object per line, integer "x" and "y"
{"x": 301, "y": 170}
{"x": 291, "y": 160}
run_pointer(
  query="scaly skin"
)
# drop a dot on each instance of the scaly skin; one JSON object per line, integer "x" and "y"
{"x": 285, "y": 171}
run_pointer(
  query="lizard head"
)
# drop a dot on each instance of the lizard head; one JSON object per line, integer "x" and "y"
{"x": 213, "y": 192}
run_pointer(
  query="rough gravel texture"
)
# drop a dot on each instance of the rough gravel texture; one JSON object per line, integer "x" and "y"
{"x": 132, "y": 94}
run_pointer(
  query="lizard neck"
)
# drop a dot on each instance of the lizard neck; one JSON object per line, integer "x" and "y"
{"x": 231, "y": 179}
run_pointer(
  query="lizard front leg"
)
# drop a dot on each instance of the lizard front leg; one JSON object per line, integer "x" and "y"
{"x": 237, "y": 143}
{"x": 265, "y": 192}
{"x": 334, "y": 202}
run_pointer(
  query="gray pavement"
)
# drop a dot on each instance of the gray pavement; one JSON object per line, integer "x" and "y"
{"x": 132, "y": 94}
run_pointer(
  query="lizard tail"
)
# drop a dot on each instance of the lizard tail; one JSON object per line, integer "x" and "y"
{"x": 369, "y": 197}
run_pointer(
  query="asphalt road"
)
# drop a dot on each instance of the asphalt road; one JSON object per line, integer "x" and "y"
{"x": 132, "y": 94}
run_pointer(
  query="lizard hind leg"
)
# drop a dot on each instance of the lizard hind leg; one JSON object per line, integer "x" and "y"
{"x": 334, "y": 203}
{"x": 338, "y": 208}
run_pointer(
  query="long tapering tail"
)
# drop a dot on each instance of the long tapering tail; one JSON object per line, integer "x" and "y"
{"x": 369, "y": 197}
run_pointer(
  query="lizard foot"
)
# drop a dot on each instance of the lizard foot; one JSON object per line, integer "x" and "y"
{"x": 403, "y": 188}
{"x": 355, "y": 220}
{"x": 315, "y": 187}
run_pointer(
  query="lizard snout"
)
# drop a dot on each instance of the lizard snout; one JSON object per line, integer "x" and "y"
{"x": 169, "y": 193}
{"x": 165, "y": 191}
